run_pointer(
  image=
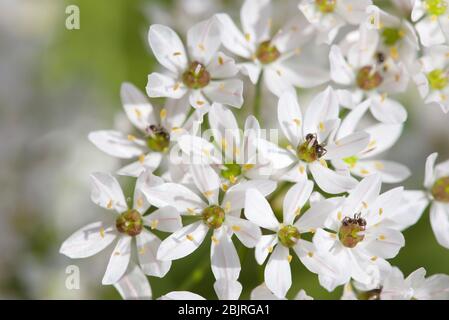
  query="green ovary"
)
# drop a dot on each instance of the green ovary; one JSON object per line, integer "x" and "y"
{"x": 326, "y": 6}
{"x": 289, "y": 236}
{"x": 440, "y": 189}
{"x": 213, "y": 216}
{"x": 391, "y": 36}
{"x": 367, "y": 79}
{"x": 436, "y": 7}
{"x": 196, "y": 76}
{"x": 351, "y": 161}
{"x": 267, "y": 53}
{"x": 231, "y": 171}
{"x": 129, "y": 222}
{"x": 438, "y": 80}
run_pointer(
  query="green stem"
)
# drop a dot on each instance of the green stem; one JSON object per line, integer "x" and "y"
{"x": 258, "y": 98}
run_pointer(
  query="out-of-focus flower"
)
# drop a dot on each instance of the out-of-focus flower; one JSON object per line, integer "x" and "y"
{"x": 129, "y": 224}
{"x": 382, "y": 137}
{"x": 328, "y": 16}
{"x": 357, "y": 235}
{"x": 287, "y": 235}
{"x": 432, "y": 21}
{"x": 358, "y": 64}
{"x": 309, "y": 144}
{"x": 205, "y": 75}
{"x": 262, "y": 292}
{"x": 158, "y": 132}
{"x": 277, "y": 56}
{"x": 432, "y": 77}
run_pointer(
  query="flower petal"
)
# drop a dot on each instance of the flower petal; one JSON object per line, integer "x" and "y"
{"x": 164, "y": 219}
{"x": 430, "y": 170}
{"x": 181, "y": 295}
{"x": 229, "y": 92}
{"x": 387, "y": 110}
{"x": 222, "y": 66}
{"x": 390, "y": 171}
{"x": 227, "y": 290}
{"x": 116, "y": 144}
{"x": 330, "y": 181}
{"x": 265, "y": 246}
{"x": 277, "y": 273}
{"x": 439, "y": 220}
{"x": 137, "y": 107}
{"x": 203, "y": 40}
{"x": 118, "y": 263}
{"x": 207, "y": 181}
{"x": 225, "y": 262}
{"x": 340, "y": 70}
{"x": 232, "y": 38}
{"x": 134, "y": 284}
{"x": 147, "y": 247}
{"x": 247, "y": 232}
{"x": 290, "y": 117}
{"x": 347, "y": 146}
{"x": 255, "y": 16}
{"x": 106, "y": 192}
{"x": 295, "y": 198}
{"x": 258, "y": 210}
{"x": 162, "y": 86}
{"x": 236, "y": 195}
{"x": 149, "y": 163}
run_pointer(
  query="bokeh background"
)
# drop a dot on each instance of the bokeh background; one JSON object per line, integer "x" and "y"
{"x": 56, "y": 85}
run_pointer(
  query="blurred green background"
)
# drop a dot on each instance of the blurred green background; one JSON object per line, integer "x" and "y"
{"x": 56, "y": 85}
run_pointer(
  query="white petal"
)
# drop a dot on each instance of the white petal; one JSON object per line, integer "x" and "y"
{"x": 232, "y": 38}
{"x": 222, "y": 66}
{"x": 134, "y": 284}
{"x": 388, "y": 111}
{"x": 236, "y": 195}
{"x": 176, "y": 111}
{"x": 435, "y": 287}
{"x": 118, "y": 263}
{"x": 384, "y": 242}
{"x": 225, "y": 262}
{"x": 167, "y": 48}
{"x": 295, "y": 199}
{"x": 315, "y": 217}
{"x": 181, "y": 295}
{"x": 255, "y": 17}
{"x": 160, "y": 85}
{"x": 324, "y": 106}
{"x": 364, "y": 194}
{"x": 164, "y": 219}
{"x": 116, "y": 144}
{"x": 263, "y": 293}
{"x": 252, "y": 70}
{"x": 137, "y": 107}
{"x": 330, "y": 181}
{"x": 290, "y": 117}
{"x": 350, "y": 122}
{"x": 207, "y": 181}
{"x": 275, "y": 80}
{"x": 390, "y": 171}
{"x": 265, "y": 246}
{"x": 199, "y": 150}
{"x": 439, "y": 220}
{"x": 175, "y": 195}
{"x": 430, "y": 170}
{"x": 144, "y": 181}
{"x": 150, "y": 163}
{"x": 199, "y": 101}
{"x": 429, "y": 31}
{"x": 382, "y": 137}
{"x": 247, "y": 232}
{"x": 258, "y": 210}
{"x": 277, "y": 273}
{"x": 347, "y": 146}
{"x": 203, "y": 40}
{"x": 88, "y": 240}
{"x": 227, "y": 290}
{"x": 228, "y": 92}
{"x": 302, "y": 75}
{"x": 340, "y": 70}
{"x": 183, "y": 242}
{"x": 147, "y": 247}
{"x": 106, "y": 192}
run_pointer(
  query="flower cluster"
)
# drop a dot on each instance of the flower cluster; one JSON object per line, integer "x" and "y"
{"x": 198, "y": 176}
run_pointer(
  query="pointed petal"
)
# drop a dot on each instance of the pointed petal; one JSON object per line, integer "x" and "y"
{"x": 225, "y": 262}
{"x": 227, "y": 290}
{"x": 134, "y": 284}
{"x": 247, "y": 232}
{"x": 161, "y": 86}
{"x": 439, "y": 220}
{"x": 290, "y": 117}
{"x": 165, "y": 219}
{"x": 277, "y": 273}
{"x": 229, "y": 92}
{"x": 147, "y": 247}
{"x": 116, "y": 144}
{"x": 258, "y": 210}
{"x": 106, "y": 192}
{"x": 203, "y": 40}
{"x": 118, "y": 263}
{"x": 295, "y": 199}
{"x": 330, "y": 181}
{"x": 137, "y": 107}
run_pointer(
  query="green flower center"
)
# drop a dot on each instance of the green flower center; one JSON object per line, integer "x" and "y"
{"x": 391, "y": 36}
{"x": 213, "y": 216}
{"x": 436, "y": 7}
{"x": 310, "y": 150}
{"x": 158, "y": 139}
{"x": 351, "y": 161}
{"x": 231, "y": 171}
{"x": 129, "y": 222}
{"x": 196, "y": 76}
{"x": 368, "y": 78}
{"x": 267, "y": 53}
{"x": 326, "y": 6}
{"x": 289, "y": 236}
{"x": 438, "y": 80}
{"x": 349, "y": 233}
{"x": 440, "y": 189}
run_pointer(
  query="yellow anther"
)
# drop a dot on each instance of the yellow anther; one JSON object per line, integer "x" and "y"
{"x": 109, "y": 205}
{"x": 200, "y": 102}
{"x": 247, "y": 166}
{"x": 373, "y": 258}
{"x": 131, "y": 137}
{"x": 289, "y": 147}
{"x": 176, "y": 86}
{"x": 310, "y": 254}
{"x": 142, "y": 158}
{"x": 323, "y": 163}
{"x": 201, "y": 46}
{"x": 364, "y": 172}
{"x": 142, "y": 250}
{"x": 379, "y": 165}
{"x": 270, "y": 249}
{"x": 381, "y": 210}
{"x": 227, "y": 207}
{"x": 247, "y": 37}
{"x": 139, "y": 202}
{"x": 297, "y": 121}
{"x": 394, "y": 53}
{"x": 137, "y": 112}
{"x": 236, "y": 228}
{"x": 102, "y": 232}
{"x": 382, "y": 237}
{"x": 339, "y": 215}
{"x": 191, "y": 211}
{"x": 225, "y": 187}
{"x": 224, "y": 143}
{"x": 372, "y": 144}
{"x": 163, "y": 113}
{"x": 220, "y": 60}
{"x": 175, "y": 129}
{"x": 364, "y": 204}
{"x": 289, "y": 258}
{"x": 232, "y": 179}
{"x": 333, "y": 235}
{"x": 279, "y": 72}
{"x": 322, "y": 127}
{"x": 312, "y": 230}
{"x": 116, "y": 253}
{"x": 189, "y": 237}
{"x": 177, "y": 53}
{"x": 298, "y": 211}
{"x": 208, "y": 194}
{"x": 215, "y": 240}
{"x": 154, "y": 223}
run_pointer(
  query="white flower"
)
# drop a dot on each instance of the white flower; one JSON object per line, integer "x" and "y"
{"x": 433, "y": 24}
{"x": 382, "y": 137}
{"x": 393, "y": 286}
{"x": 276, "y": 55}
{"x": 358, "y": 236}
{"x": 436, "y": 182}
{"x": 129, "y": 223}
{"x": 398, "y": 38}
{"x": 328, "y": 16}
{"x": 232, "y": 153}
{"x": 287, "y": 235}
{"x": 221, "y": 217}
{"x": 432, "y": 78}
{"x": 310, "y": 143}
{"x": 134, "y": 285}
{"x": 157, "y": 131}
{"x": 205, "y": 75}
{"x": 357, "y": 64}
{"x": 262, "y": 292}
